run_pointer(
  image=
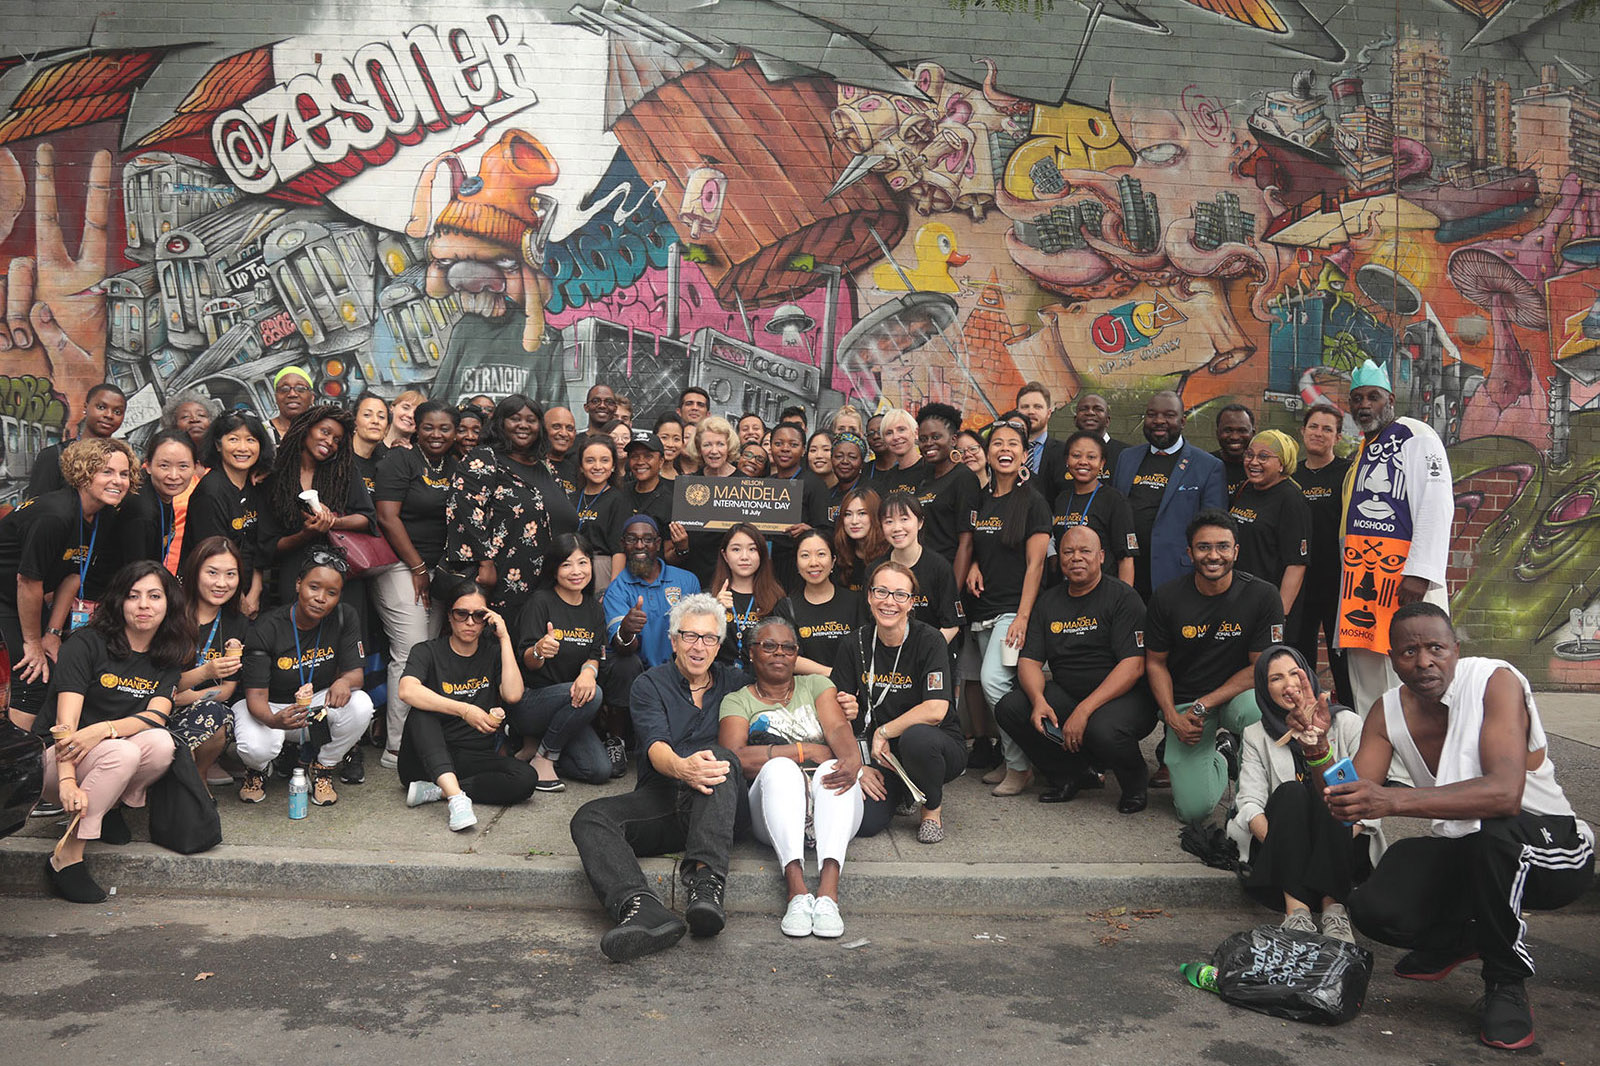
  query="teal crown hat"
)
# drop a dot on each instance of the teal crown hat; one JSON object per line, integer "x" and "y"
{"x": 1370, "y": 373}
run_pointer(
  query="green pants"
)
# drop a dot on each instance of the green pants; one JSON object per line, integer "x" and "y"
{"x": 1199, "y": 773}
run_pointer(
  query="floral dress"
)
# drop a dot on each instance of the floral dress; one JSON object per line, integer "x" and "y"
{"x": 497, "y": 513}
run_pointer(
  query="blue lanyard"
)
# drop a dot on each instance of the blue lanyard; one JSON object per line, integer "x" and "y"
{"x": 304, "y": 674}
{"x": 168, "y": 532}
{"x": 83, "y": 564}
{"x": 583, "y": 501}
{"x": 200, "y": 656}
{"x": 1086, "y": 507}
{"x": 740, "y": 621}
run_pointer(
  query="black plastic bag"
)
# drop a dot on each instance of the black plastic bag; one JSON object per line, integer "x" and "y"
{"x": 183, "y": 816}
{"x": 1305, "y": 977}
{"x": 21, "y": 774}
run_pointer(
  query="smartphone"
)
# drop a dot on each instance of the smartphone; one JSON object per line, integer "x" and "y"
{"x": 1340, "y": 773}
{"x": 1053, "y": 731}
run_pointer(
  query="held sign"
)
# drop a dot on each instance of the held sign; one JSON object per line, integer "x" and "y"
{"x": 717, "y": 503}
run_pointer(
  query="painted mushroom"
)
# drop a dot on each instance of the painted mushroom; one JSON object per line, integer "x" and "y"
{"x": 1493, "y": 283}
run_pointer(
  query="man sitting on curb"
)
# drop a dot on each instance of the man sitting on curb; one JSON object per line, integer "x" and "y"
{"x": 1504, "y": 836}
{"x": 686, "y": 799}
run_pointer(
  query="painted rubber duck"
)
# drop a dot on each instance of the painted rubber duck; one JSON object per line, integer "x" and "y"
{"x": 935, "y": 248}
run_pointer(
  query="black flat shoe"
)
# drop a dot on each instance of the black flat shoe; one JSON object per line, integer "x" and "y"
{"x": 1133, "y": 802}
{"x": 73, "y": 883}
{"x": 114, "y": 828}
{"x": 1068, "y": 791}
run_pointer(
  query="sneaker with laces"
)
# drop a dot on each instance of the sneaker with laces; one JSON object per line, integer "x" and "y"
{"x": 825, "y": 919}
{"x": 797, "y": 919}
{"x": 389, "y": 759}
{"x": 420, "y": 792}
{"x": 704, "y": 911}
{"x": 254, "y": 787}
{"x": 323, "y": 794}
{"x": 1507, "y": 1020}
{"x": 353, "y": 768}
{"x": 644, "y": 927}
{"x": 617, "y": 753}
{"x": 1336, "y": 923}
{"x": 1298, "y": 922}
{"x": 461, "y": 816}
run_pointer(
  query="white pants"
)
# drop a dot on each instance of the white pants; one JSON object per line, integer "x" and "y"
{"x": 1371, "y": 676}
{"x": 778, "y": 812}
{"x": 407, "y": 624}
{"x": 259, "y": 743}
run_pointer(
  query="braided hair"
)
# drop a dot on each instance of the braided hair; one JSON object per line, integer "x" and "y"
{"x": 332, "y": 478}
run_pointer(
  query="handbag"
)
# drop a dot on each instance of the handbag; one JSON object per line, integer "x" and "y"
{"x": 21, "y": 774}
{"x": 364, "y": 552}
{"x": 183, "y": 815}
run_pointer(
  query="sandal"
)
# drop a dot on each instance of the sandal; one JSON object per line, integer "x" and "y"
{"x": 930, "y": 832}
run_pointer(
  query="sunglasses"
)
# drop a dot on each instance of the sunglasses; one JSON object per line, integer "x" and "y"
{"x": 461, "y": 614}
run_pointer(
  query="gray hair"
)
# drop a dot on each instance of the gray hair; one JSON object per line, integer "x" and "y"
{"x": 701, "y": 604}
{"x": 169, "y": 410}
{"x": 768, "y": 622}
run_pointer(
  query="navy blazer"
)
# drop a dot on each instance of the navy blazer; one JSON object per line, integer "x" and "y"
{"x": 1197, "y": 482}
{"x": 1052, "y": 476}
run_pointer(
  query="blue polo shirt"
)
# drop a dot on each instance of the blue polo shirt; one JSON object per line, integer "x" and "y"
{"x": 670, "y": 586}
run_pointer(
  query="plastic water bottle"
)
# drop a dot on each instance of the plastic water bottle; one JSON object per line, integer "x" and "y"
{"x": 1201, "y": 975}
{"x": 299, "y": 793}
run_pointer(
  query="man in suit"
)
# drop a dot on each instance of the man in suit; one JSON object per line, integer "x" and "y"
{"x": 1167, "y": 484}
{"x": 1047, "y": 458}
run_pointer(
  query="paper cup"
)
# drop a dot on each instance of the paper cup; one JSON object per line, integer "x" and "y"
{"x": 1008, "y": 654}
{"x": 312, "y": 500}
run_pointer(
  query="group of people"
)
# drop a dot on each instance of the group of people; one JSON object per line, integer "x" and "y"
{"x": 521, "y": 600}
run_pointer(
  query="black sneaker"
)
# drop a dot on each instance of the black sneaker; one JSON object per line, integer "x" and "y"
{"x": 46, "y": 809}
{"x": 985, "y": 754}
{"x": 644, "y": 928}
{"x": 617, "y": 752}
{"x": 353, "y": 768}
{"x": 283, "y": 766}
{"x": 1426, "y": 964}
{"x": 704, "y": 910}
{"x": 1228, "y": 748}
{"x": 1507, "y": 1020}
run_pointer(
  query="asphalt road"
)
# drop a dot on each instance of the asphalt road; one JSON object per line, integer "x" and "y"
{"x": 159, "y": 980}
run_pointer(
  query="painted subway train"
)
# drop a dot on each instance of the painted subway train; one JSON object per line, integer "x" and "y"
{"x": 163, "y": 191}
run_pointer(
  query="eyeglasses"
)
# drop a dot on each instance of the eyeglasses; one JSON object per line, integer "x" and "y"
{"x": 295, "y": 390}
{"x": 774, "y": 647}
{"x": 878, "y": 592}
{"x": 461, "y": 614}
{"x": 710, "y": 640}
{"x": 641, "y": 539}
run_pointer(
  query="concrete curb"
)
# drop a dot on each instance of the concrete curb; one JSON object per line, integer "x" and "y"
{"x": 557, "y": 882}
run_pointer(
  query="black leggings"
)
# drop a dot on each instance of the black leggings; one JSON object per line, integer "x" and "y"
{"x": 931, "y": 757}
{"x": 1308, "y": 853}
{"x": 1467, "y": 893}
{"x": 485, "y": 775}
{"x": 26, "y": 698}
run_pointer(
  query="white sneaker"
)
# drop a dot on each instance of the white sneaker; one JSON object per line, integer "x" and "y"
{"x": 420, "y": 792}
{"x": 461, "y": 816}
{"x": 797, "y": 919}
{"x": 1299, "y": 922}
{"x": 1336, "y": 923}
{"x": 825, "y": 919}
{"x": 389, "y": 759}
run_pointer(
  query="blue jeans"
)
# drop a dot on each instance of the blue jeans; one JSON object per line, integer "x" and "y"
{"x": 998, "y": 680}
{"x": 565, "y": 731}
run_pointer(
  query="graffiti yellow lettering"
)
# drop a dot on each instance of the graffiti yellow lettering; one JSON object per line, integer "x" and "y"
{"x": 1066, "y": 137}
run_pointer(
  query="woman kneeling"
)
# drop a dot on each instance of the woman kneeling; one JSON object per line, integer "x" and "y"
{"x": 1300, "y": 855}
{"x": 784, "y": 727}
{"x": 462, "y": 682}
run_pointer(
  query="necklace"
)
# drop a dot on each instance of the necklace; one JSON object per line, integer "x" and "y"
{"x": 775, "y": 701}
{"x": 436, "y": 469}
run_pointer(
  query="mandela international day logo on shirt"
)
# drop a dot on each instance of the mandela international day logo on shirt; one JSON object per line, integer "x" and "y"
{"x": 132, "y": 686}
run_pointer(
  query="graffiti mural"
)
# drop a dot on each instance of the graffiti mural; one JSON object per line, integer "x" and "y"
{"x": 786, "y": 207}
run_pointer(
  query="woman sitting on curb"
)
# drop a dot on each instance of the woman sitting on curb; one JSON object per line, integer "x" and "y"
{"x": 782, "y": 726}
{"x": 109, "y": 694}
{"x": 462, "y": 682}
{"x": 1300, "y": 855}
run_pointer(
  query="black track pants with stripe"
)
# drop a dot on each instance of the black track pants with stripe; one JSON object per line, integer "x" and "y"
{"x": 1467, "y": 894}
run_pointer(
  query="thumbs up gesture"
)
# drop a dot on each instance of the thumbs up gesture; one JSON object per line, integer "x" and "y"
{"x": 635, "y": 619}
{"x": 725, "y": 596}
{"x": 549, "y": 644}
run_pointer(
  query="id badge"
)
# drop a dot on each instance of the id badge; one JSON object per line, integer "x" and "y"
{"x": 81, "y": 610}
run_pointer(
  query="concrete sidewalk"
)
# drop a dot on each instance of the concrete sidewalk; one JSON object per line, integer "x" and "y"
{"x": 1000, "y": 856}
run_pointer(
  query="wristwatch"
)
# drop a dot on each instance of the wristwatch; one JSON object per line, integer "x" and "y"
{"x": 54, "y": 632}
{"x": 1197, "y": 709}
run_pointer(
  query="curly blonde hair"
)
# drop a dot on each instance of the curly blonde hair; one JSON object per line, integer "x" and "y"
{"x": 83, "y": 459}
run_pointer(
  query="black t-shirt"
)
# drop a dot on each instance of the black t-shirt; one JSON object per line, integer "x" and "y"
{"x": 1144, "y": 503}
{"x": 657, "y": 503}
{"x": 473, "y": 679}
{"x": 582, "y": 632}
{"x": 45, "y": 474}
{"x": 1322, "y": 490}
{"x": 358, "y": 501}
{"x": 1274, "y": 530}
{"x": 112, "y": 689}
{"x": 422, "y": 489}
{"x": 568, "y": 474}
{"x": 1232, "y": 472}
{"x": 147, "y": 525}
{"x": 822, "y": 627}
{"x": 837, "y": 494}
{"x": 212, "y": 640}
{"x": 367, "y": 468}
{"x": 1208, "y": 639}
{"x": 326, "y": 650}
{"x": 1104, "y": 510}
{"x": 218, "y": 509}
{"x": 939, "y": 601}
{"x": 1083, "y": 638}
{"x": 896, "y": 479}
{"x": 47, "y": 538}
{"x": 741, "y": 620}
{"x": 888, "y": 682}
{"x": 600, "y": 518}
{"x": 1003, "y": 568}
{"x": 947, "y": 506}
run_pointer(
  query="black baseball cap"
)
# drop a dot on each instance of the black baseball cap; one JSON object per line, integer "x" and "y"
{"x": 644, "y": 438}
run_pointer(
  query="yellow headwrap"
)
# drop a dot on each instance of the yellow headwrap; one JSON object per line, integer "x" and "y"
{"x": 1282, "y": 445}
